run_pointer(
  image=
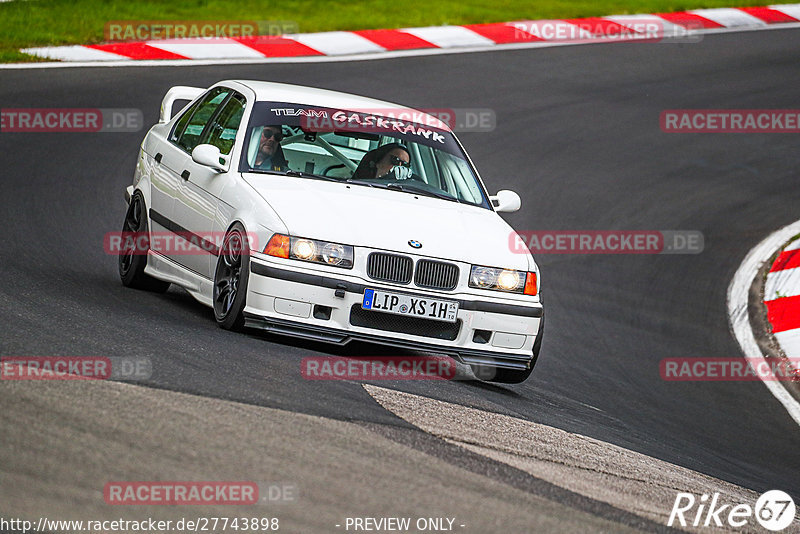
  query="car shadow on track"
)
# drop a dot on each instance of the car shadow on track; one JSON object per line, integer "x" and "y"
{"x": 185, "y": 303}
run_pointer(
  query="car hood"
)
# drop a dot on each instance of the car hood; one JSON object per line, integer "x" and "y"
{"x": 384, "y": 219}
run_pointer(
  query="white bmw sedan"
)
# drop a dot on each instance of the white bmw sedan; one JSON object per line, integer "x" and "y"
{"x": 332, "y": 217}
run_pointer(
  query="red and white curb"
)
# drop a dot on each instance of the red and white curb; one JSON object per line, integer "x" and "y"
{"x": 739, "y": 317}
{"x": 341, "y": 44}
{"x": 782, "y": 298}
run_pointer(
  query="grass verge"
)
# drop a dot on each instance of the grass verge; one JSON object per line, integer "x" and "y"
{"x": 28, "y": 23}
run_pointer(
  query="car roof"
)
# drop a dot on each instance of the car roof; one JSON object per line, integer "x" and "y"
{"x": 312, "y": 96}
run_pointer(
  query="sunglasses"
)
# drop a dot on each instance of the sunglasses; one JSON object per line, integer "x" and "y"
{"x": 266, "y": 134}
{"x": 397, "y": 161}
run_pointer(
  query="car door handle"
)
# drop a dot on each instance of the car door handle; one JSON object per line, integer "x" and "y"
{"x": 158, "y": 157}
{"x": 185, "y": 175}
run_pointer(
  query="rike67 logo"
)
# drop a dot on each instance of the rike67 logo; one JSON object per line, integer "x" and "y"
{"x": 774, "y": 510}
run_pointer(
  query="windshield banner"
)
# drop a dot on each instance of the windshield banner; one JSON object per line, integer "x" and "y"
{"x": 405, "y": 124}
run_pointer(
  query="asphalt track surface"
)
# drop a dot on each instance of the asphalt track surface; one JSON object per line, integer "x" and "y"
{"x": 577, "y": 136}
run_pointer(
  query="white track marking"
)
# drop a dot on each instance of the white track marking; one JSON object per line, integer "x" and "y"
{"x": 207, "y": 48}
{"x": 729, "y": 17}
{"x": 337, "y": 43}
{"x": 627, "y": 480}
{"x": 74, "y": 53}
{"x": 667, "y": 28}
{"x": 738, "y": 292}
{"x": 790, "y": 342}
{"x": 793, "y": 10}
{"x": 785, "y": 283}
{"x": 449, "y": 36}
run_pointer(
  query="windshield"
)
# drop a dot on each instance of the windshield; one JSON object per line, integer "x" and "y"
{"x": 361, "y": 148}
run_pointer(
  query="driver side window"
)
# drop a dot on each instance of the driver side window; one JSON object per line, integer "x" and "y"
{"x": 189, "y": 129}
{"x": 222, "y": 132}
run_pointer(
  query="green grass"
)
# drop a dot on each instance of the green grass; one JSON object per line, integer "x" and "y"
{"x": 49, "y": 22}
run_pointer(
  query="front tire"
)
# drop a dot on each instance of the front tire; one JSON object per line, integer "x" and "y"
{"x": 133, "y": 258}
{"x": 500, "y": 375}
{"x": 230, "y": 279}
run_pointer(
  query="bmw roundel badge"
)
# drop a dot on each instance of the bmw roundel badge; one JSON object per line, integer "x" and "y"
{"x": 415, "y": 244}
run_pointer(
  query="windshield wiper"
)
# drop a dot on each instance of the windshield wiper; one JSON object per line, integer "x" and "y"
{"x": 297, "y": 174}
{"x": 364, "y": 182}
{"x": 417, "y": 190}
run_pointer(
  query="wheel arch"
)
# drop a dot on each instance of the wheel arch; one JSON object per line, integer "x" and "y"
{"x": 256, "y": 228}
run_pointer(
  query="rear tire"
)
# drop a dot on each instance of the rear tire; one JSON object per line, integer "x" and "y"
{"x": 230, "y": 279}
{"x": 133, "y": 258}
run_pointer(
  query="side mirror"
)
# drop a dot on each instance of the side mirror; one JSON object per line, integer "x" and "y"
{"x": 506, "y": 201}
{"x": 209, "y": 156}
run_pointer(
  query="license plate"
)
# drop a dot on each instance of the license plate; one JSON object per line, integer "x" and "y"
{"x": 422, "y": 307}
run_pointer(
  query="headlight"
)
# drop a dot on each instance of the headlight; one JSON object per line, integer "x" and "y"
{"x": 334, "y": 254}
{"x": 303, "y": 249}
{"x": 483, "y": 277}
{"x": 300, "y": 248}
{"x": 506, "y": 280}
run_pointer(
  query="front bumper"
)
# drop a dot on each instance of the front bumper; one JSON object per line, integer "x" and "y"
{"x": 300, "y": 302}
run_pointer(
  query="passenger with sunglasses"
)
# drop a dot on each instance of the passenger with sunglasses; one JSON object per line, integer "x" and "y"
{"x": 270, "y": 155}
{"x": 390, "y": 161}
